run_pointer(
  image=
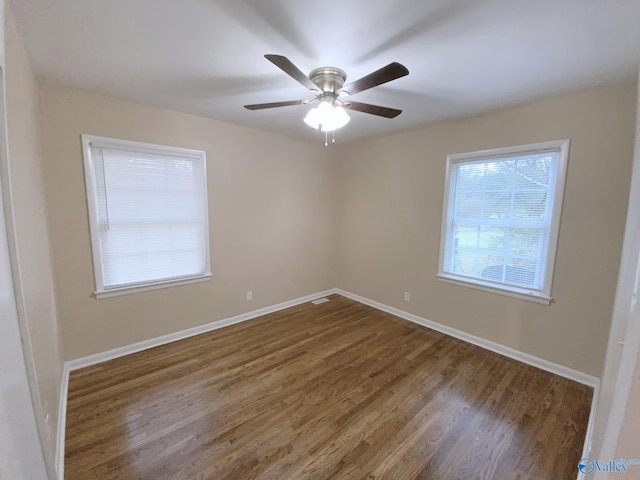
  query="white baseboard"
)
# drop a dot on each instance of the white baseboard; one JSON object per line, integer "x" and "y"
{"x": 546, "y": 365}
{"x": 173, "y": 337}
{"x": 62, "y": 423}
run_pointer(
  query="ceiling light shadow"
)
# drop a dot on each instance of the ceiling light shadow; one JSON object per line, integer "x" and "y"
{"x": 267, "y": 19}
{"x": 437, "y": 17}
{"x": 224, "y": 86}
{"x": 420, "y": 98}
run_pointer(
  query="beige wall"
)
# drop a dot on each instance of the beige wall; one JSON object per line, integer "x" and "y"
{"x": 391, "y": 195}
{"x": 34, "y": 259}
{"x": 383, "y": 239}
{"x": 270, "y": 207}
{"x": 389, "y": 201}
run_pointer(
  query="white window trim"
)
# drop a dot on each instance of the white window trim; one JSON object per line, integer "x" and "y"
{"x": 147, "y": 287}
{"x": 543, "y": 296}
{"x": 89, "y": 141}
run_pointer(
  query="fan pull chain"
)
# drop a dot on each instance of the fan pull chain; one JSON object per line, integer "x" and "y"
{"x": 326, "y": 138}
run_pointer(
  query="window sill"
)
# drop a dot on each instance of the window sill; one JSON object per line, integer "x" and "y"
{"x": 115, "y": 292}
{"x": 486, "y": 287}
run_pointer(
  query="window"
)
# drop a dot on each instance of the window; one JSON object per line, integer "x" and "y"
{"x": 501, "y": 217}
{"x": 148, "y": 215}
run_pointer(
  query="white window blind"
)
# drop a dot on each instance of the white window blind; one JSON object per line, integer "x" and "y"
{"x": 501, "y": 217}
{"x": 148, "y": 205}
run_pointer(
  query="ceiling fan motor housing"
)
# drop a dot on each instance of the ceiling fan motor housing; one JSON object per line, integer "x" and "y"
{"x": 328, "y": 79}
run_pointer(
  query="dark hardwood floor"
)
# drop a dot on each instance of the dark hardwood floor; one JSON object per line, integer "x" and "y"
{"x": 332, "y": 391}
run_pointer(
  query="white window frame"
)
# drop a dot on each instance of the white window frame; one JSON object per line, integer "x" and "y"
{"x": 542, "y": 296}
{"x": 89, "y": 141}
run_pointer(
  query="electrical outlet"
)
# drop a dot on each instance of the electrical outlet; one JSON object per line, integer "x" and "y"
{"x": 249, "y": 296}
{"x": 407, "y": 296}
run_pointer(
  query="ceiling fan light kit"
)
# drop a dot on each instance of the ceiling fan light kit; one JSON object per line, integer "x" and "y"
{"x": 327, "y": 117}
{"x": 326, "y": 83}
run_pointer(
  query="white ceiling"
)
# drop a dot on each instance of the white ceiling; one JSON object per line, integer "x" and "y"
{"x": 206, "y": 56}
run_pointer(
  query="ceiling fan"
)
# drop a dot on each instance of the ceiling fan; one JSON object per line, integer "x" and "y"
{"x": 327, "y": 84}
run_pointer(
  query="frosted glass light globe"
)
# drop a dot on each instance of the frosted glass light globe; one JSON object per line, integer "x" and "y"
{"x": 327, "y": 117}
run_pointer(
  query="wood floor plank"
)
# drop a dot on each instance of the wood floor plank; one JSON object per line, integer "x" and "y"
{"x": 331, "y": 391}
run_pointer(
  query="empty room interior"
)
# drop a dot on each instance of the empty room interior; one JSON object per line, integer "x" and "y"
{"x": 352, "y": 240}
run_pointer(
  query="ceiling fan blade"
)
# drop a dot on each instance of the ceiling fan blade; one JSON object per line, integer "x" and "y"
{"x": 383, "y": 75}
{"x": 261, "y": 106}
{"x": 373, "y": 109}
{"x": 287, "y": 66}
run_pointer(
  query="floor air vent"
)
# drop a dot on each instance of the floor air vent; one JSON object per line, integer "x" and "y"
{"x": 318, "y": 301}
